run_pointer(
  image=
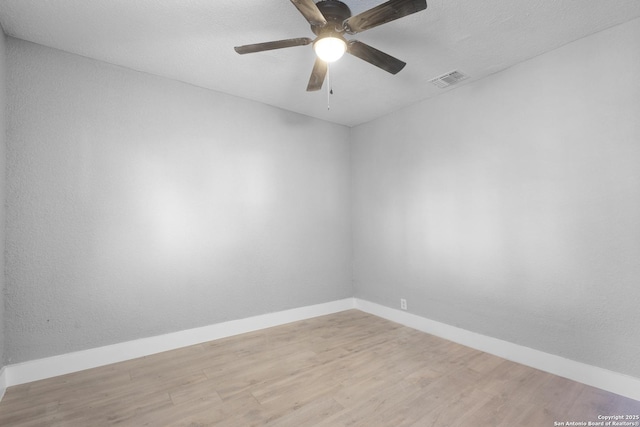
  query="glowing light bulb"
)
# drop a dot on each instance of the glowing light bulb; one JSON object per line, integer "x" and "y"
{"x": 330, "y": 49}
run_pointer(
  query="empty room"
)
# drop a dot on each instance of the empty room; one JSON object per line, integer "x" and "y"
{"x": 320, "y": 213}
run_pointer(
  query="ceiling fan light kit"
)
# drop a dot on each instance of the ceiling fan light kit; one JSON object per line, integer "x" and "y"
{"x": 330, "y": 48}
{"x": 329, "y": 20}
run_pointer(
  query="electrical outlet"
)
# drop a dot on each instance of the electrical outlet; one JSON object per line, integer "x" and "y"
{"x": 403, "y": 303}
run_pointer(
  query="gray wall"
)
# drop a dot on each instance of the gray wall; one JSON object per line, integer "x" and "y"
{"x": 139, "y": 206}
{"x": 3, "y": 108}
{"x": 511, "y": 206}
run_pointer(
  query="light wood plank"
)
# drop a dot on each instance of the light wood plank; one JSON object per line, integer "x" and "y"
{"x": 345, "y": 369}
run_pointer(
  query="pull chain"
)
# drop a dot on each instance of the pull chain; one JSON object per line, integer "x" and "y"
{"x": 329, "y": 88}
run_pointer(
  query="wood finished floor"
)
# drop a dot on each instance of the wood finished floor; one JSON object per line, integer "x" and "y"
{"x": 345, "y": 369}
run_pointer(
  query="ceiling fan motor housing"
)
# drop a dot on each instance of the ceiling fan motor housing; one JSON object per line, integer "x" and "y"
{"x": 335, "y": 12}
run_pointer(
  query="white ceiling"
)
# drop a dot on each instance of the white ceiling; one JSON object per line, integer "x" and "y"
{"x": 192, "y": 41}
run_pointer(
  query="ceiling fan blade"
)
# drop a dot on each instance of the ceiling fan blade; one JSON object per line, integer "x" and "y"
{"x": 310, "y": 11}
{"x": 386, "y": 12}
{"x": 375, "y": 57}
{"x": 279, "y": 44}
{"x": 317, "y": 75}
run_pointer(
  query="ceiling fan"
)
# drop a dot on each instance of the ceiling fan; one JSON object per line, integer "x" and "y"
{"x": 330, "y": 20}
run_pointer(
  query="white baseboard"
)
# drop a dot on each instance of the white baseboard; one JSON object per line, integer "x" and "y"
{"x": 35, "y": 370}
{"x": 3, "y": 381}
{"x": 604, "y": 379}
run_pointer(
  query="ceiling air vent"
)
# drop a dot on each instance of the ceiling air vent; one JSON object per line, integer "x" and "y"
{"x": 448, "y": 79}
